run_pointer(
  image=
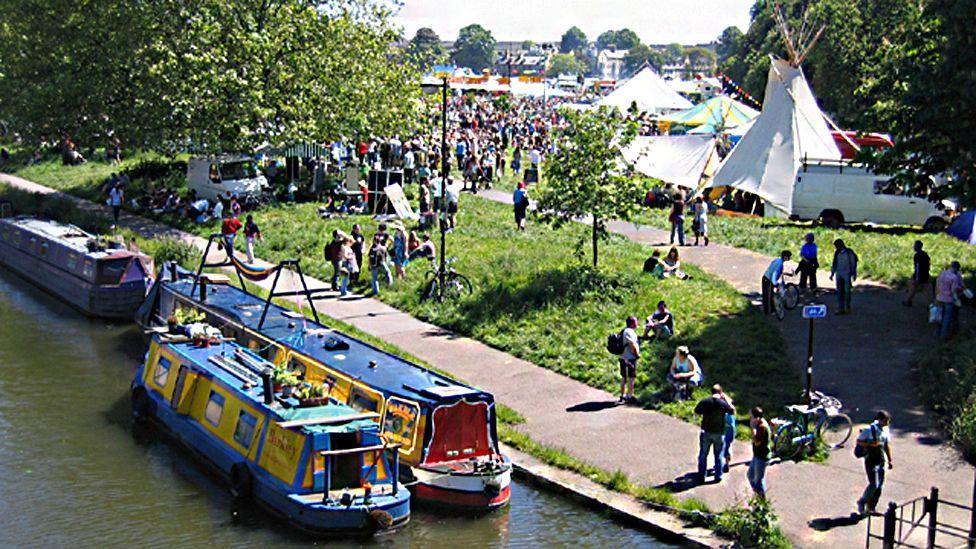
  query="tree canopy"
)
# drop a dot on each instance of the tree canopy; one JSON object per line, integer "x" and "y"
{"x": 204, "y": 75}
{"x": 573, "y": 40}
{"x": 564, "y": 63}
{"x": 641, "y": 55}
{"x": 425, "y": 48}
{"x": 474, "y": 48}
{"x": 587, "y": 175}
{"x": 622, "y": 39}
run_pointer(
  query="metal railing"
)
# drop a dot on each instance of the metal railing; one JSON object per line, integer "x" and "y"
{"x": 917, "y": 524}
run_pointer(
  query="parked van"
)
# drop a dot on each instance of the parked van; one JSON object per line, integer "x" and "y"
{"x": 213, "y": 177}
{"x": 838, "y": 193}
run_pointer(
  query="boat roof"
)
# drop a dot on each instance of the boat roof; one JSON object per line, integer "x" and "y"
{"x": 65, "y": 234}
{"x": 242, "y": 375}
{"x": 392, "y": 374}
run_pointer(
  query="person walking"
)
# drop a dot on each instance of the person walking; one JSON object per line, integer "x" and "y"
{"x": 520, "y": 201}
{"x": 116, "y": 197}
{"x": 251, "y": 233}
{"x": 628, "y": 360}
{"x": 808, "y": 263}
{"x": 358, "y": 243}
{"x": 228, "y": 228}
{"x": 400, "y": 250}
{"x": 773, "y": 278}
{"x": 349, "y": 267}
{"x": 333, "y": 252}
{"x": 875, "y": 442}
{"x": 712, "y": 409}
{"x": 921, "y": 265}
{"x": 677, "y": 218}
{"x": 378, "y": 259}
{"x": 700, "y": 221}
{"x": 761, "y": 438}
{"x": 948, "y": 292}
{"x": 844, "y": 271}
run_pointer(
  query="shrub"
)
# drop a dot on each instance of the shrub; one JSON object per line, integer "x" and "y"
{"x": 946, "y": 376}
{"x": 171, "y": 249}
{"x": 752, "y": 526}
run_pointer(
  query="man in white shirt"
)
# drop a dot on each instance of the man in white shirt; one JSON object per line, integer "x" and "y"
{"x": 115, "y": 199}
{"x": 628, "y": 361}
{"x": 773, "y": 278}
{"x": 876, "y": 441}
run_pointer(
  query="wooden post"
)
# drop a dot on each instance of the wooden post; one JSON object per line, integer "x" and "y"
{"x": 890, "y": 521}
{"x": 932, "y": 504}
{"x": 972, "y": 520}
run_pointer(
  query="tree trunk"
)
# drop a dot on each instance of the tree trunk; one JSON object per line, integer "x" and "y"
{"x": 595, "y": 221}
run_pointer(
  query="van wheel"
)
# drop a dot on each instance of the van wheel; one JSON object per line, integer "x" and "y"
{"x": 832, "y": 219}
{"x": 241, "y": 482}
{"x": 935, "y": 225}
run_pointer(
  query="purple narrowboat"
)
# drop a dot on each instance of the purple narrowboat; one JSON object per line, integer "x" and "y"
{"x": 73, "y": 265}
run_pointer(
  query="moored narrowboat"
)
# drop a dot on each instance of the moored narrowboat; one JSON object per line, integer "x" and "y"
{"x": 74, "y": 266}
{"x": 446, "y": 430}
{"x": 307, "y": 458}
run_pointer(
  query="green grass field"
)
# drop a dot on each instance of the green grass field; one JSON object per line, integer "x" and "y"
{"x": 885, "y": 252}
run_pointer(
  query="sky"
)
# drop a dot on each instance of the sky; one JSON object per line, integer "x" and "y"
{"x": 654, "y": 21}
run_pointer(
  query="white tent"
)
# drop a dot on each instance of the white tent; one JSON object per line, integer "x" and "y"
{"x": 682, "y": 160}
{"x": 537, "y": 89}
{"x": 790, "y": 128}
{"x": 649, "y": 91}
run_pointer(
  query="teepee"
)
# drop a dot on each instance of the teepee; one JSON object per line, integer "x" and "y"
{"x": 790, "y": 129}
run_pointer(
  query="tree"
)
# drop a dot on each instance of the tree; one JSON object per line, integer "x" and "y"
{"x": 564, "y": 63}
{"x": 674, "y": 53}
{"x": 931, "y": 116}
{"x": 641, "y": 55}
{"x": 527, "y": 45}
{"x": 203, "y": 75}
{"x": 700, "y": 58}
{"x": 425, "y": 48}
{"x": 729, "y": 43}
{"x": 573, "y": 40}
{"x": 622, "y": 39}
{"x": 587, "y": 175}
{"x": 474, "y": 48}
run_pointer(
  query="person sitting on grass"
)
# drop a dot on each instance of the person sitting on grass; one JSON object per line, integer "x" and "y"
{"x": 426, "y": 250}
{"x": 672, "y": 265}
{"x": 661, "y": 322}
{"x": 685, "y": 370}
{"x": 653, "y": 265}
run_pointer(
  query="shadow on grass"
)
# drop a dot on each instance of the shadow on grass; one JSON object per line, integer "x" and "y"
{"x": 893, "y": 230}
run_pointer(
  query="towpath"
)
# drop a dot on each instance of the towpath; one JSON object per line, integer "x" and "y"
{"x": 863, "y": 359}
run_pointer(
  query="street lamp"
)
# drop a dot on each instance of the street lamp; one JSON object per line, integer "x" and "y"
{"x": 430, "y": 89}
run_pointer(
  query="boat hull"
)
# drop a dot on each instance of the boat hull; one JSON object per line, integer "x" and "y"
{"x": 472, "y": 492}
{"x": 111, "y": 302}
{"x": 310, "y": 517}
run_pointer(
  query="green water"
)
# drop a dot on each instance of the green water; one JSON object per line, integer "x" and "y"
{"x": 74, "y": 473}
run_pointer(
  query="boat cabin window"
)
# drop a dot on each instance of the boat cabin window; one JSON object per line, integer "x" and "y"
{"x": 44, "y": 248}
{"x": 362, "y": 401}
{"x": 87, "y": 271}
{"x": 244, "y": 432}
{"x": 346, "y": 469}
{"x": 295, "y": 364}
{"x": 111, "y": 271}
{"x": 72, "y": 261}
{"x": 215, "y": 408}
{"x": 161, "y": 373}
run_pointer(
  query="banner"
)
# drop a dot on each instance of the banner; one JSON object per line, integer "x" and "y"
{"x": 394, "y": 193}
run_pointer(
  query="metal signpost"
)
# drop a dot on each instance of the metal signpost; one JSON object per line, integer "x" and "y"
{"x": 812, "y": 312}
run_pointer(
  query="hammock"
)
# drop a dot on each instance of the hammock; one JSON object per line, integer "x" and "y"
{"x": 252, "y": 272}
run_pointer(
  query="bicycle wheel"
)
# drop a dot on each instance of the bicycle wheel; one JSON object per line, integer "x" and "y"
{"x": 791, "y": 297}
{"x": 779, "y": 307}
{"x": 835, "y": 430}
{"x": 457, "y": 286}
{"x": 785, "y": 443}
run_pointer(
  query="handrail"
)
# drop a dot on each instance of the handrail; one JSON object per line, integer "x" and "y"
{"x": 360, "y": 450}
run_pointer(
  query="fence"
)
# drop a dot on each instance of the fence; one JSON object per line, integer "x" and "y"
{"x": 925, "y": 522}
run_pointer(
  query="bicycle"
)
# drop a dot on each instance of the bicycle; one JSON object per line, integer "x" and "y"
{"x": 786, "y": 296}
{"x": 828, "y": 424}
{"x": 456, "y": 285}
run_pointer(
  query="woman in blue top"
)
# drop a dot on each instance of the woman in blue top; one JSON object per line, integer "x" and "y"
{"x": 520, "y": 200}
{"x": 808, "y": 263}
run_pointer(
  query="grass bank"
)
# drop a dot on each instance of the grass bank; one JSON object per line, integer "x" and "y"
{"x": 885, "y": 252}
{"x": 946, "y": 376}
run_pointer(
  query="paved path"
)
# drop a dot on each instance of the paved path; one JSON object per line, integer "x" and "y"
{"x": 866, "y": 351}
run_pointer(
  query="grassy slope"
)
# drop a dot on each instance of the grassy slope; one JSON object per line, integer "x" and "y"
{"x": 885, "y": 253}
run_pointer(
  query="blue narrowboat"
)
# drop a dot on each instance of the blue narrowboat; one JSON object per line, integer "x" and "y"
{"x": 447, "y": 431}
{"x": 75, "y": 266}
{"x": 319, "y": 464}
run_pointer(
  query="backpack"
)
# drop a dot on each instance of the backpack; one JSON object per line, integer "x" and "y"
{"x": 615, "y": 343}
{"x": 860, "y": 450}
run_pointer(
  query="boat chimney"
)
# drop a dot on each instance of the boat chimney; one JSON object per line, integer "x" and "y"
{"x": 172, "y": 271}
{"x": 203, "y": 288}
{"x": 268, "y": 387}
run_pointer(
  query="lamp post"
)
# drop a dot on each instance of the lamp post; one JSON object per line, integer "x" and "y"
{"x": 445, "y": 167}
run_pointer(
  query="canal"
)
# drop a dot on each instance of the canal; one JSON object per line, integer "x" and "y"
{"x": 74, "y": 472}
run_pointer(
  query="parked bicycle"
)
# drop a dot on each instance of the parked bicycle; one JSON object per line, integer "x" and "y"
{"x": 821, "y": 420}
{"x": 456, "y": 285}
{"x": 786, "y": 296}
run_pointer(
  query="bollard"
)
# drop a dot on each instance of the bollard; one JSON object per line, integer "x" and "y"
{"x": 932, "y": 506}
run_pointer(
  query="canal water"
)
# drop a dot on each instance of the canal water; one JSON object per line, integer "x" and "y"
{"x": 73, "y": 471}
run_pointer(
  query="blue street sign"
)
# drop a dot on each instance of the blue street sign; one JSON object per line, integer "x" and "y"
{"x": 814, "y": 311}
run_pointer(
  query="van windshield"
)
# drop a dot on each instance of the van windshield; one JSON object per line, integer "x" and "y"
{"x": 244, "y": 169}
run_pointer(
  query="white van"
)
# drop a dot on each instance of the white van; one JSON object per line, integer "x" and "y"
{"x": 213, "y": 177}
{"x": 837, "y": 193}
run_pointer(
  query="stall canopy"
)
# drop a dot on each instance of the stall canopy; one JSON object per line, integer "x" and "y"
{"x": 790, "y": 129}
{"x": 537, "y": 89}
{"x": 715, "y": 115}
{"x": 649, "y": 92}
{"x": 682, "y": 160}
{"x": 963, "y": 227}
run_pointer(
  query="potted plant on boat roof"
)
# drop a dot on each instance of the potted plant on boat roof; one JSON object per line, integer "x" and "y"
{"x": 312, "y": 394}
{"x": 284, "y": 381}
